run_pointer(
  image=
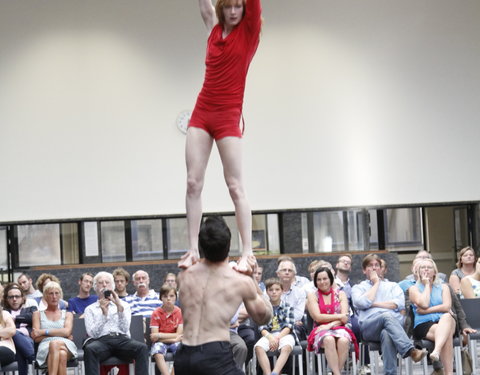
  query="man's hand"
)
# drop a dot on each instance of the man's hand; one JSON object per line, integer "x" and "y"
{"x": 274, "y": 341}
{"x": 373, "y": 276}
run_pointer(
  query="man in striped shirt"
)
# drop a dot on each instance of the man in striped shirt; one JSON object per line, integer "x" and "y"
{"x": 144, "y": 300}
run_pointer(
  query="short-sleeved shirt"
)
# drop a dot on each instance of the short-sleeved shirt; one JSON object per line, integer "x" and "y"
{"x": 167, "y": 322}
{"x": 78, "y": 305}
{"x": 144, "y": 305}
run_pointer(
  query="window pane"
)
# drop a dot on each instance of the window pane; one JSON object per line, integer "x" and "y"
{"x": 70, "y": 245}
{"x": 38, "y": 244}
{"x": 403, "y": 228}
{"x": 147, "y": 240}
{"x": 113, "y": 241}
{"x": 177, "y": 237}
{"x": 3, "y": 249}
{"x": 360, "y": 234}
{"x": 235, "y": 241}
{"x": 328, "y": 231}
{"x": 273, "y": 234}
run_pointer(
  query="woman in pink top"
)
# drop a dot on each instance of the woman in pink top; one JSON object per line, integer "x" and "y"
{"x": 234, "y": 30}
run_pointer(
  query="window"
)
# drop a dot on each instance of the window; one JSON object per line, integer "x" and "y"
{"x": 70, "y": 245}
{"x": 3, "y": 249}
{"x": 113, "y": 241}
{"x": 177, "y": 237}
{"x": 147, "y": 239}
{"x": 403, "y": 229}
{"x": 38, "y": 244}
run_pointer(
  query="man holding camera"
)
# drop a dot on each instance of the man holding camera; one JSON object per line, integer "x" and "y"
{"x": 108, "y": 328}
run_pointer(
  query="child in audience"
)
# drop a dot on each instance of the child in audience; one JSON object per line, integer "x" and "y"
{"x": 276, "y": 335}
{"x": 166, "y": 326}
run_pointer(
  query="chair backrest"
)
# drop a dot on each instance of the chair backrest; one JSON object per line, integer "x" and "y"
{"x": 147, "y": 332}
{"x": 137, "y": 328}
{"x": 471, "y": 306}
{"x": 79, "y": 331}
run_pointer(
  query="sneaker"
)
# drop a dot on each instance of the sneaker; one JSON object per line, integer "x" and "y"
{"x": 417, "y": 355}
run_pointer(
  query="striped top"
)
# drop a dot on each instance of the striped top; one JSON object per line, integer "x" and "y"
{"x": 144, "y": 306}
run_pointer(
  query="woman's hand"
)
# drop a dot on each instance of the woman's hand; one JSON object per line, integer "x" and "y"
{"x": 36, "y": 333}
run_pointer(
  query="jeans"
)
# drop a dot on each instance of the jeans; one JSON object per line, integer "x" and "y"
{"x": 121, "y": 346}
{"x": 25, "y": 352}
{"x": 393, "y": 339}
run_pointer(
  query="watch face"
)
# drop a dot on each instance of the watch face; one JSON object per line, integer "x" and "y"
{"x": 182, "y": 120}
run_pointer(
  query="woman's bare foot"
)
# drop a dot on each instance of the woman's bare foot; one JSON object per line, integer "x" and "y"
{"x": 188, "y": 259}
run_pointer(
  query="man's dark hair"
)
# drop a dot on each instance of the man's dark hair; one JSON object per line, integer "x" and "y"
{"x": 214, "y": 239}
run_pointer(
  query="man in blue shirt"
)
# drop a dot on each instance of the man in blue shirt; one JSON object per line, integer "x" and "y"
{"x": 379, "y": 305}
{"x": 78, "y": 304}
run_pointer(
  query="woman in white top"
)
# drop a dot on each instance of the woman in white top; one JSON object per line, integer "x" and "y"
{"x": 470, "y": 285}
{"x": 465, "y": 266}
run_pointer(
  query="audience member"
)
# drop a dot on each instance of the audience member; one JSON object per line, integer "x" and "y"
{"x": 466, "y": 259}
{"x": 423, "y": 254}
{"x": 7, "y": 330}
{"x": 378, "y": 304}
{"x": 299, "y": 280}
{"x": 26, "y": 283}
{"x": 247, "y": 330}
{"x": 342, "y": 278}
{"x": 383, "y": 269}
{"x": 43, "y": 280}
{"x": 293, "y": 295}
{"x": 211, "y": 293}
{"x": 144, "y": 300}
{"x": 470, "y": 285}
{"x": 108, "y": 327}
{"x": 278, "y": 333}
{"x": 121, "y": 278}
{"x": 329, "y": 310}
{"x": 170, "y": 279}
{"x": 257, "y": 275}
{"x": 78, "y": 304}
{"x": 52, "y": 328}
{"x": 310, "y": 286}
{"x": 166, "y": 327}
{"x": 431, "y": 302}
{"x": 14, "y": 302}
{"x": 239, "y": 347}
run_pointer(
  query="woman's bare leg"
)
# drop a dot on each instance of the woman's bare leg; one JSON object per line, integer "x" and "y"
{"x": 330, "y": 347}
{"x": 230, "y": 149}
{"x": 197, "y": 152}
{"x": 441, "y": 334}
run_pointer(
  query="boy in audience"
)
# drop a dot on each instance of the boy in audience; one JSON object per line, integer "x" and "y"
{"x": 121, "y": 278}
{"x": 78, "y": 304}
{"x": 166, "y": 327}
{"x": 276, "y": 335}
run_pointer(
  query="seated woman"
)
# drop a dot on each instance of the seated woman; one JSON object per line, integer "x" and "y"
{"x": 432, "y": 302}
{"x": 166, "y": 326}
{"x": 14, "y": 302}
{"x": 466, "y": 260}
{"x": 470, "y": 285}
{"x": 52, "y": 328}
{"x": 329, "y": 310}
{"x": 43, "y": 280}
{"x": 7, "y": 330}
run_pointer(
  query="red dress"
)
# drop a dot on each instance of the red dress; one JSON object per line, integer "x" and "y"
{"x": 219, "y": 104}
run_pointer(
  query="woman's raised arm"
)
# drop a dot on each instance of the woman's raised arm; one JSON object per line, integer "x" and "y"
{"x": 207, "y": 12}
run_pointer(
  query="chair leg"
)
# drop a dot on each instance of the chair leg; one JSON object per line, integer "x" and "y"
{"x": 458, "y": 360}
{"x": 354, "y": 363}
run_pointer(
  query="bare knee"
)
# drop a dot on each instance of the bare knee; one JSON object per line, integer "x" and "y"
{"x": 329, "y": 341}
{"x": 235, "y": 189}
{"x": 54, "y": 346}
{"x": 194, "y": 186}
{"x": 286, "y": 349}
{"x": 63, "y": 354}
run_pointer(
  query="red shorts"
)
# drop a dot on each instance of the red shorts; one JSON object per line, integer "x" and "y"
{"x": 218, "y": 123}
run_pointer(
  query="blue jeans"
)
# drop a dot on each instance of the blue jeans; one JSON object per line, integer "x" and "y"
{"x": 25, "y": 352}
{"x": 393, "y": 339}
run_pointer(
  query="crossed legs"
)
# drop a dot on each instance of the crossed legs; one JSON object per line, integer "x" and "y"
{"x": 442, "y": 335}
{"x": 58, "y": 355}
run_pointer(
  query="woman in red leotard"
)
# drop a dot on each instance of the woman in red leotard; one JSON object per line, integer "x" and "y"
{"x": 234, "y": 30}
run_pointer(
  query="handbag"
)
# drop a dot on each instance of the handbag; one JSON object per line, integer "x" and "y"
{"x": 466, "y": 361}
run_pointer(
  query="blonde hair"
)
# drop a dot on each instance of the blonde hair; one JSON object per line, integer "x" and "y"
{"x": 436, "y": 281}
{"x": 52, "y": 285}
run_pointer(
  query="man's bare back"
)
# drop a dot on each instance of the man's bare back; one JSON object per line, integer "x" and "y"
{"x": 211, "y": 294}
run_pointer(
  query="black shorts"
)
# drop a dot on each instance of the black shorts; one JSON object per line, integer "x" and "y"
{"x": 420, "y": 331}
{"x": 213, "y": 358}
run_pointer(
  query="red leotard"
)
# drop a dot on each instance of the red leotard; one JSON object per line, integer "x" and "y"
{"x": 219, "y": 104}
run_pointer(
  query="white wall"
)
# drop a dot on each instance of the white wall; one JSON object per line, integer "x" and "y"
{"x": 347, "y": 103}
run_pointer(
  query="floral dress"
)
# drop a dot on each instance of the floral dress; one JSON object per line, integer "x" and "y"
{"x": 316, "y": 337}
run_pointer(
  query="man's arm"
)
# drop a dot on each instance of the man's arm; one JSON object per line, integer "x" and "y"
{"x": 207, "y": 12}
{"x": 257, "y": 304}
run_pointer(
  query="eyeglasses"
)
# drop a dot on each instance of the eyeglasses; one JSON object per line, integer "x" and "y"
{"x": 15, "y": 296}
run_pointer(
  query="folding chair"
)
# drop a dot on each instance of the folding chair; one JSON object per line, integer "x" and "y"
{"x": 471, "y": 307}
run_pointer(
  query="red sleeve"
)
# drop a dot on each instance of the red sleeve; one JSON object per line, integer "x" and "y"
{"x": 253, "y": 16}
{"x": 154, "y": 318}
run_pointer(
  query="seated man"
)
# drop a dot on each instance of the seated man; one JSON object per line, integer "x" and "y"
{"x": 378, "y": 303}
{"x": 144, "y": 301}
{"x": 211, "y": 294}
{"x": 78, "y": 304}
{"x": 108, "y": 328}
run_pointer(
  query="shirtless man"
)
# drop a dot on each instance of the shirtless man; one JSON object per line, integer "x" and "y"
{"x": 211, "y": 293}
